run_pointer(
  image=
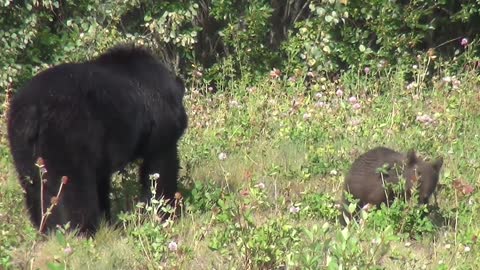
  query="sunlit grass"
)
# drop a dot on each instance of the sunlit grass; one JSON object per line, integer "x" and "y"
{"x": 260, "y": 148}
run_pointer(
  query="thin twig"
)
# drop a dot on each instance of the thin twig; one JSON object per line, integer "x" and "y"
{"x": 45, "y": 215}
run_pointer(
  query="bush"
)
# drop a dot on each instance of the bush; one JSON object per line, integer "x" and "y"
{"x": 252, "y": 36}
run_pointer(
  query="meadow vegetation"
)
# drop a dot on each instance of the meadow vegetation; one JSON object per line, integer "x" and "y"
{"x": 271, "y": 135}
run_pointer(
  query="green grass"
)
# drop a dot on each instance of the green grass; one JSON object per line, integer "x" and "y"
{"x": 276, "y": 133}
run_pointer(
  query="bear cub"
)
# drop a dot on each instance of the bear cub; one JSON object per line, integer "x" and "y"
{"x": 371, "y": 173}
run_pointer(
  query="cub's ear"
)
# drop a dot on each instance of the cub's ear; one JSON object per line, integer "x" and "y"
{"x": 411, "y": 157}
{"x": 437, "y": 164}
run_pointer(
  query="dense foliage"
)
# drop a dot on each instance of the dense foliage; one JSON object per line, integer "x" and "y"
{"x": 226, "y": 37}
{"x": 282, "y": 95}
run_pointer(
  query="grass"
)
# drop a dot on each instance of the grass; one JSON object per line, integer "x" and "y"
{"x": 285, "y": 147}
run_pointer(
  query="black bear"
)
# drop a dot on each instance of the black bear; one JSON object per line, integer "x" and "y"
{"x": 372, "y": 171}
{"x": 89, "y": 119}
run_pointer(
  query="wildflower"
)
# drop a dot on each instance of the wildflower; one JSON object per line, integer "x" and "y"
{"x": 210, "y": 89}
{"x": 307, "y": 116}
{"x": 425, "y": 119}
{"x": 68, "y": 251}
{"x": 339, "y": 92}
{"x": 414, "y": 66}
{"x": 464, "y": 42}
{"x": 357, "y": 106}
{"x": 292, "y": 79}
{"x": 40, "y": 163}
{"x": 455, "y": 83}
{"x": 355, "y": 122}
{"x": 294, "y": 209}
{"x": 222, "y": 156}
{"x": 154, "y": 176}
{"x": 382, "y": 64}
{"x": 411, "y": 85}
{"x": 333, "y": 172}
{"x": 310, "y": 74}
{"x": 64, "y": 180}
{"x": 172, "y": 246}
{"x": 318, "y": 95}
{"x": 197, "y": 74}
{"x": 260, "y": 185}
{"x": 447, "y": 79}
{"x": 234, "y": 104}
{"x": 353, "y": 100}
{"x": 366, "y": 70}
{"x": 275, "y": 73}
{"x": 466, "y": 249}
{"x": 320, "y": 104}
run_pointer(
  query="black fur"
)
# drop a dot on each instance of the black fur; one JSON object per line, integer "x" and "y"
{"x": 365, "y": 183}
{"x": 88, "y": 120}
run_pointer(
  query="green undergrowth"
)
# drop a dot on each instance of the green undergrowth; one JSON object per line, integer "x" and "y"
{"x": 262, "y": 173}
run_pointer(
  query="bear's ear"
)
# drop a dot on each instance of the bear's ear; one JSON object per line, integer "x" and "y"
{"x": 411, "y": 157}
{"x": 437, "y": 164}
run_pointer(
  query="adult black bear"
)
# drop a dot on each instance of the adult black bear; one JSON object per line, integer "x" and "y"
{"x": 372, "y": 171}
{"x": 88, "y": 120}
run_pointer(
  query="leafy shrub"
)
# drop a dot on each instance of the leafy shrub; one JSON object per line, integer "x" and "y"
{"x": 345, "y": 248}
{"x": 260, "y": 244}
{"x": 252, "y": 37}
{"x": 203, "y": 197}
{"x": 404, "y": 216}
{"x": 319, "y": 206}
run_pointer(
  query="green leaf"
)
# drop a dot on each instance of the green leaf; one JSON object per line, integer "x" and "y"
{"x": 345, "y": 233}
{"x": 61, "y": 239}
{"x": 54, "y": 266}
{"x": 352, "y": 207}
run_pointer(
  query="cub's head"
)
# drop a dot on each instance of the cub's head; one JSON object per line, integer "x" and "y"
{"x": 423, "y": 174}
